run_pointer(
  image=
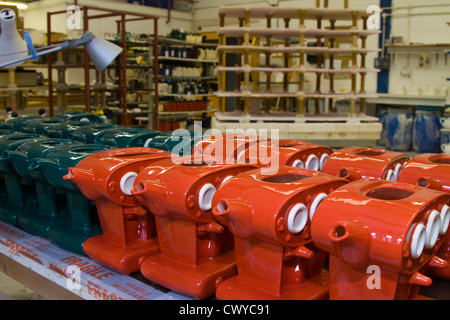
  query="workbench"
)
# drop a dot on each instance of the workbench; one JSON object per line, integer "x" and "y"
{"x": 48, "y": 270}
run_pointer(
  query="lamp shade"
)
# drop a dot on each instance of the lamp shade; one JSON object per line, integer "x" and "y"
{"x": 102, "y": 52}
{"x": 12, "y": 45}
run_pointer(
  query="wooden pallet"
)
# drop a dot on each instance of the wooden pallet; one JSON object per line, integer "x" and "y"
{"x": 336, "y": 130}
{"x": 290, "y": 117}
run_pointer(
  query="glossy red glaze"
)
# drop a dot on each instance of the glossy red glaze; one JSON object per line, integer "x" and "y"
{"x": 428, "y": 170}
{"x": 301, "y": 155}
{"x": 291, "y": 143}
{"x": 354, "y": 163}
{"x": 431, "y": 170}
{"x": 378, "y": 223}
{"x": 196, "y": 251}
{"x": 129, "y": 232}
{"x": 226, "y": 146}
{"x": 269, "y": 217}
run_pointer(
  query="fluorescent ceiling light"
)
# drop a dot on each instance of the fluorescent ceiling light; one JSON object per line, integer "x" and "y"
{"x": 17, "y": 4}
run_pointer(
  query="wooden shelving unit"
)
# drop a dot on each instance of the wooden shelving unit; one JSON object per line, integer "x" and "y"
{"x": 274, "y": 72}
{"x": 293, "y": 35}
{"x": 121, "y": 66}
{"x": 174, "y": 53}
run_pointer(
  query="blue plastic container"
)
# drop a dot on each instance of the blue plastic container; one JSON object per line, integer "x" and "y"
{"x": 157, "y": 3}
{"x": 153, "y": 3}
{"x": 381, "y": 114}
{"x": 426, "y": 133}
{"x": 399, "y": 129}
{"x": 445, "y": 136}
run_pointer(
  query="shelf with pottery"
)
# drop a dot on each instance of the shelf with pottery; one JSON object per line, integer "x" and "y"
{"x": 407, "y": 48}
{"x": 293, "y": 49}
{"x": 174, "y": 116}
{"x": 187, "y": 96}
{"x": 185, "y": 78}
{"x": 408, "y": 100}
{"x": 23, "y": 88}
{"x": 189, "y": 42}
{"x": 293, "y": 32}
{"x": 187, "y": 112}
{"x": 133, "y": 104}
{"x": 186, "y": 59}
{"x": 298, "y": 95}
{"x": 248, "y": 68}
{"x": 292, "y": 13}
{"x": 189, "y": 66}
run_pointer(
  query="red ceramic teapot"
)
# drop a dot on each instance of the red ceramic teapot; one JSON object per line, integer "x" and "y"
{"x": 128, "y": 229}
{"x": 354, "y": 163}
{"x": 432, "y": 170}
{"x": 196, "y": 252}
{"x": 270, "y": 216}
{"x": 381, "y": 235}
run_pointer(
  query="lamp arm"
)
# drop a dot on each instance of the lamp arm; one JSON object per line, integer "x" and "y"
{"x": 40, "y": 53}
{"x": 84, "y": 40}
